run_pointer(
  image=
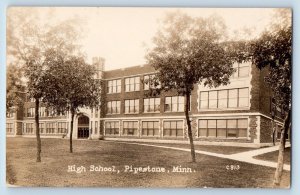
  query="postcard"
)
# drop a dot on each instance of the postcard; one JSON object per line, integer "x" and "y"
{"x": 148, "y": 97}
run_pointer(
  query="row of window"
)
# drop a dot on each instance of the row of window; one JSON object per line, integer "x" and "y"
{"x": 133, "y": 83}
{"x": 47, "y": 128}
{"x": 227, "y": 98}
{"x": 172, "y": 104}
{"x": 43, "y": 112}
{"x": 225, "y": 128}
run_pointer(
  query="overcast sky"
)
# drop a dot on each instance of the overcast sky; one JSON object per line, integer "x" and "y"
{"x": 123, "y": 35}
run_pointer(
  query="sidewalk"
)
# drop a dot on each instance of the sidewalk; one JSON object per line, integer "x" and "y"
{"x": 242, "y": 156}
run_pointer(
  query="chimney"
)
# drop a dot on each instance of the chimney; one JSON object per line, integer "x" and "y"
{"x": 99, "y": 63}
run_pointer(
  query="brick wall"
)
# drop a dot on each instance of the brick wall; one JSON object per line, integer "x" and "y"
{"x": 265, "y": 130}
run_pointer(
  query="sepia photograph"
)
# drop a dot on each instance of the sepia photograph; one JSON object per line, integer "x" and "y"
{"x": 148, "y": 97}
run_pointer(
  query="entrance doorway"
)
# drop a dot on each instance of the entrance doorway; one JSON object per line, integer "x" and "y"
{"x": 83, "y": 127}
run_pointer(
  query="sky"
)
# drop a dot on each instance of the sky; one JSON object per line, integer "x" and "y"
{"x": 122, "y": 36}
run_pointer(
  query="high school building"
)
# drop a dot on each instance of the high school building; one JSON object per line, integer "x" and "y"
{"x": 236, "y": 114}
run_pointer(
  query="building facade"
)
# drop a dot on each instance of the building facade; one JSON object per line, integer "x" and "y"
{"x": 236, "y": 114}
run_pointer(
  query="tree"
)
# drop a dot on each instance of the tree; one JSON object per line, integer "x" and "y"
{"x": 14, "y": 88}
{"x": 30, "y": 41}
{"x": 190, "y": 51}
{"x": 273, "y": 50}
{"x": 71, "y": 86}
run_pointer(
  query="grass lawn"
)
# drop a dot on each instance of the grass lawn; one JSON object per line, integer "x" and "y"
{"x": 273, "y": 156}
{"x": 22, "y": 170}
{"x": 207, "y": 148}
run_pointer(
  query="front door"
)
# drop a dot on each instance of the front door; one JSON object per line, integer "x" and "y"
{"x": 83, "y": 127}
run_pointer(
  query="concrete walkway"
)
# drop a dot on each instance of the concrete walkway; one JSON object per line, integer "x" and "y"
{"x": 242, "y": 156}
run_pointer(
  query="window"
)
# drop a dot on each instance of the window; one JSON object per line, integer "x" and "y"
{"x": 29, "y": 128}
{"x": 113, "y": 107}
{"x": 173, "y": 128}
{"x": 223, "y": 128}
{"x": 152, "y": 105}
{"x": 112, "y": 127}
{"x": 130, "y": 128}
{"x": 213, "y": 99}
{"x": 204, "y": 99}
{"x": 222, "y": 99}
{"x": 131, "y": 106}
{"x": 174, "y": 104}
{"x": 91, "y": 127}
{"x": 50, "y": 128}
{"x": 30, "y": 112}
{"x": 150, "y": 128}
{"x": 114, "y": 86}
{"x": 228, "y": 98}
{"x": 150, "y": 82}
{"x": 232, "y": 98}
{"x": 96, "y": 127}
{"x": 9, "y": 114}
{"x": 42, "y": 127}
{"x": 61, "y": 127}
{"x": 42, "y": 111}
{"x": 243, "y": 97}
{"x": 132, "y": 84}
{"x": 9, "y": 127}
{"x": 242, "y": 70}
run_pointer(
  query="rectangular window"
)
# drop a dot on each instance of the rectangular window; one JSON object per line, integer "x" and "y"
{"x": 30, "y": 112}
{"x": 9, "y": 127}
{"x": 173, "y": 128}
{"x": 29, "y": 128}
{"x": 9, "y": 114}
{"x": 150, "y": 128}
{"x": 91, "y": 127}
{"x": 213, "y": 99}
{"x": 222, "y": 99}
{"x": 152, "y": 105}
{"x": 212, "y": 128}
{"x": 132, "y": 84}
{"x": 113, "y": 107}
{"x": 96, "y": 127}
{"x": 61, "y": 127}
{"x": 42, "y": 127}
{"x": 242, "y": 127}
{"x": 130, "y": 128}
{"x": 223, "y": 128}
{"x": 174, "y": 104}
{"x": 150, "y": 82}
{"x": 114, "y": 86}
{"x": 112, "y": 127}
{"x": 242, "y": 70}
{"x": 231, "y": 128}
{"x": 132, "y": 106}
{"x": 203, "y": 99}
{"x": 243, "y": 97}
{"x": 50, "y": 128}
{"x": 228, "y": 98}
{"x": 232, "y": 98}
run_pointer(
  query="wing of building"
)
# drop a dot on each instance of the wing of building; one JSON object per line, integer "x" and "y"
{"x": 238, "y": 114}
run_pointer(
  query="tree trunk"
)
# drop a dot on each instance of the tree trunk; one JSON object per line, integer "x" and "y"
{"x": 37, "y": 131}
{"x": 279, "y": 169}
{"x": 71, "y": 132}
{"x": 188, "y": 122}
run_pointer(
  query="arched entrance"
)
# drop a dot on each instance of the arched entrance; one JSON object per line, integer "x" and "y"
{"x": 83, "y": 127}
